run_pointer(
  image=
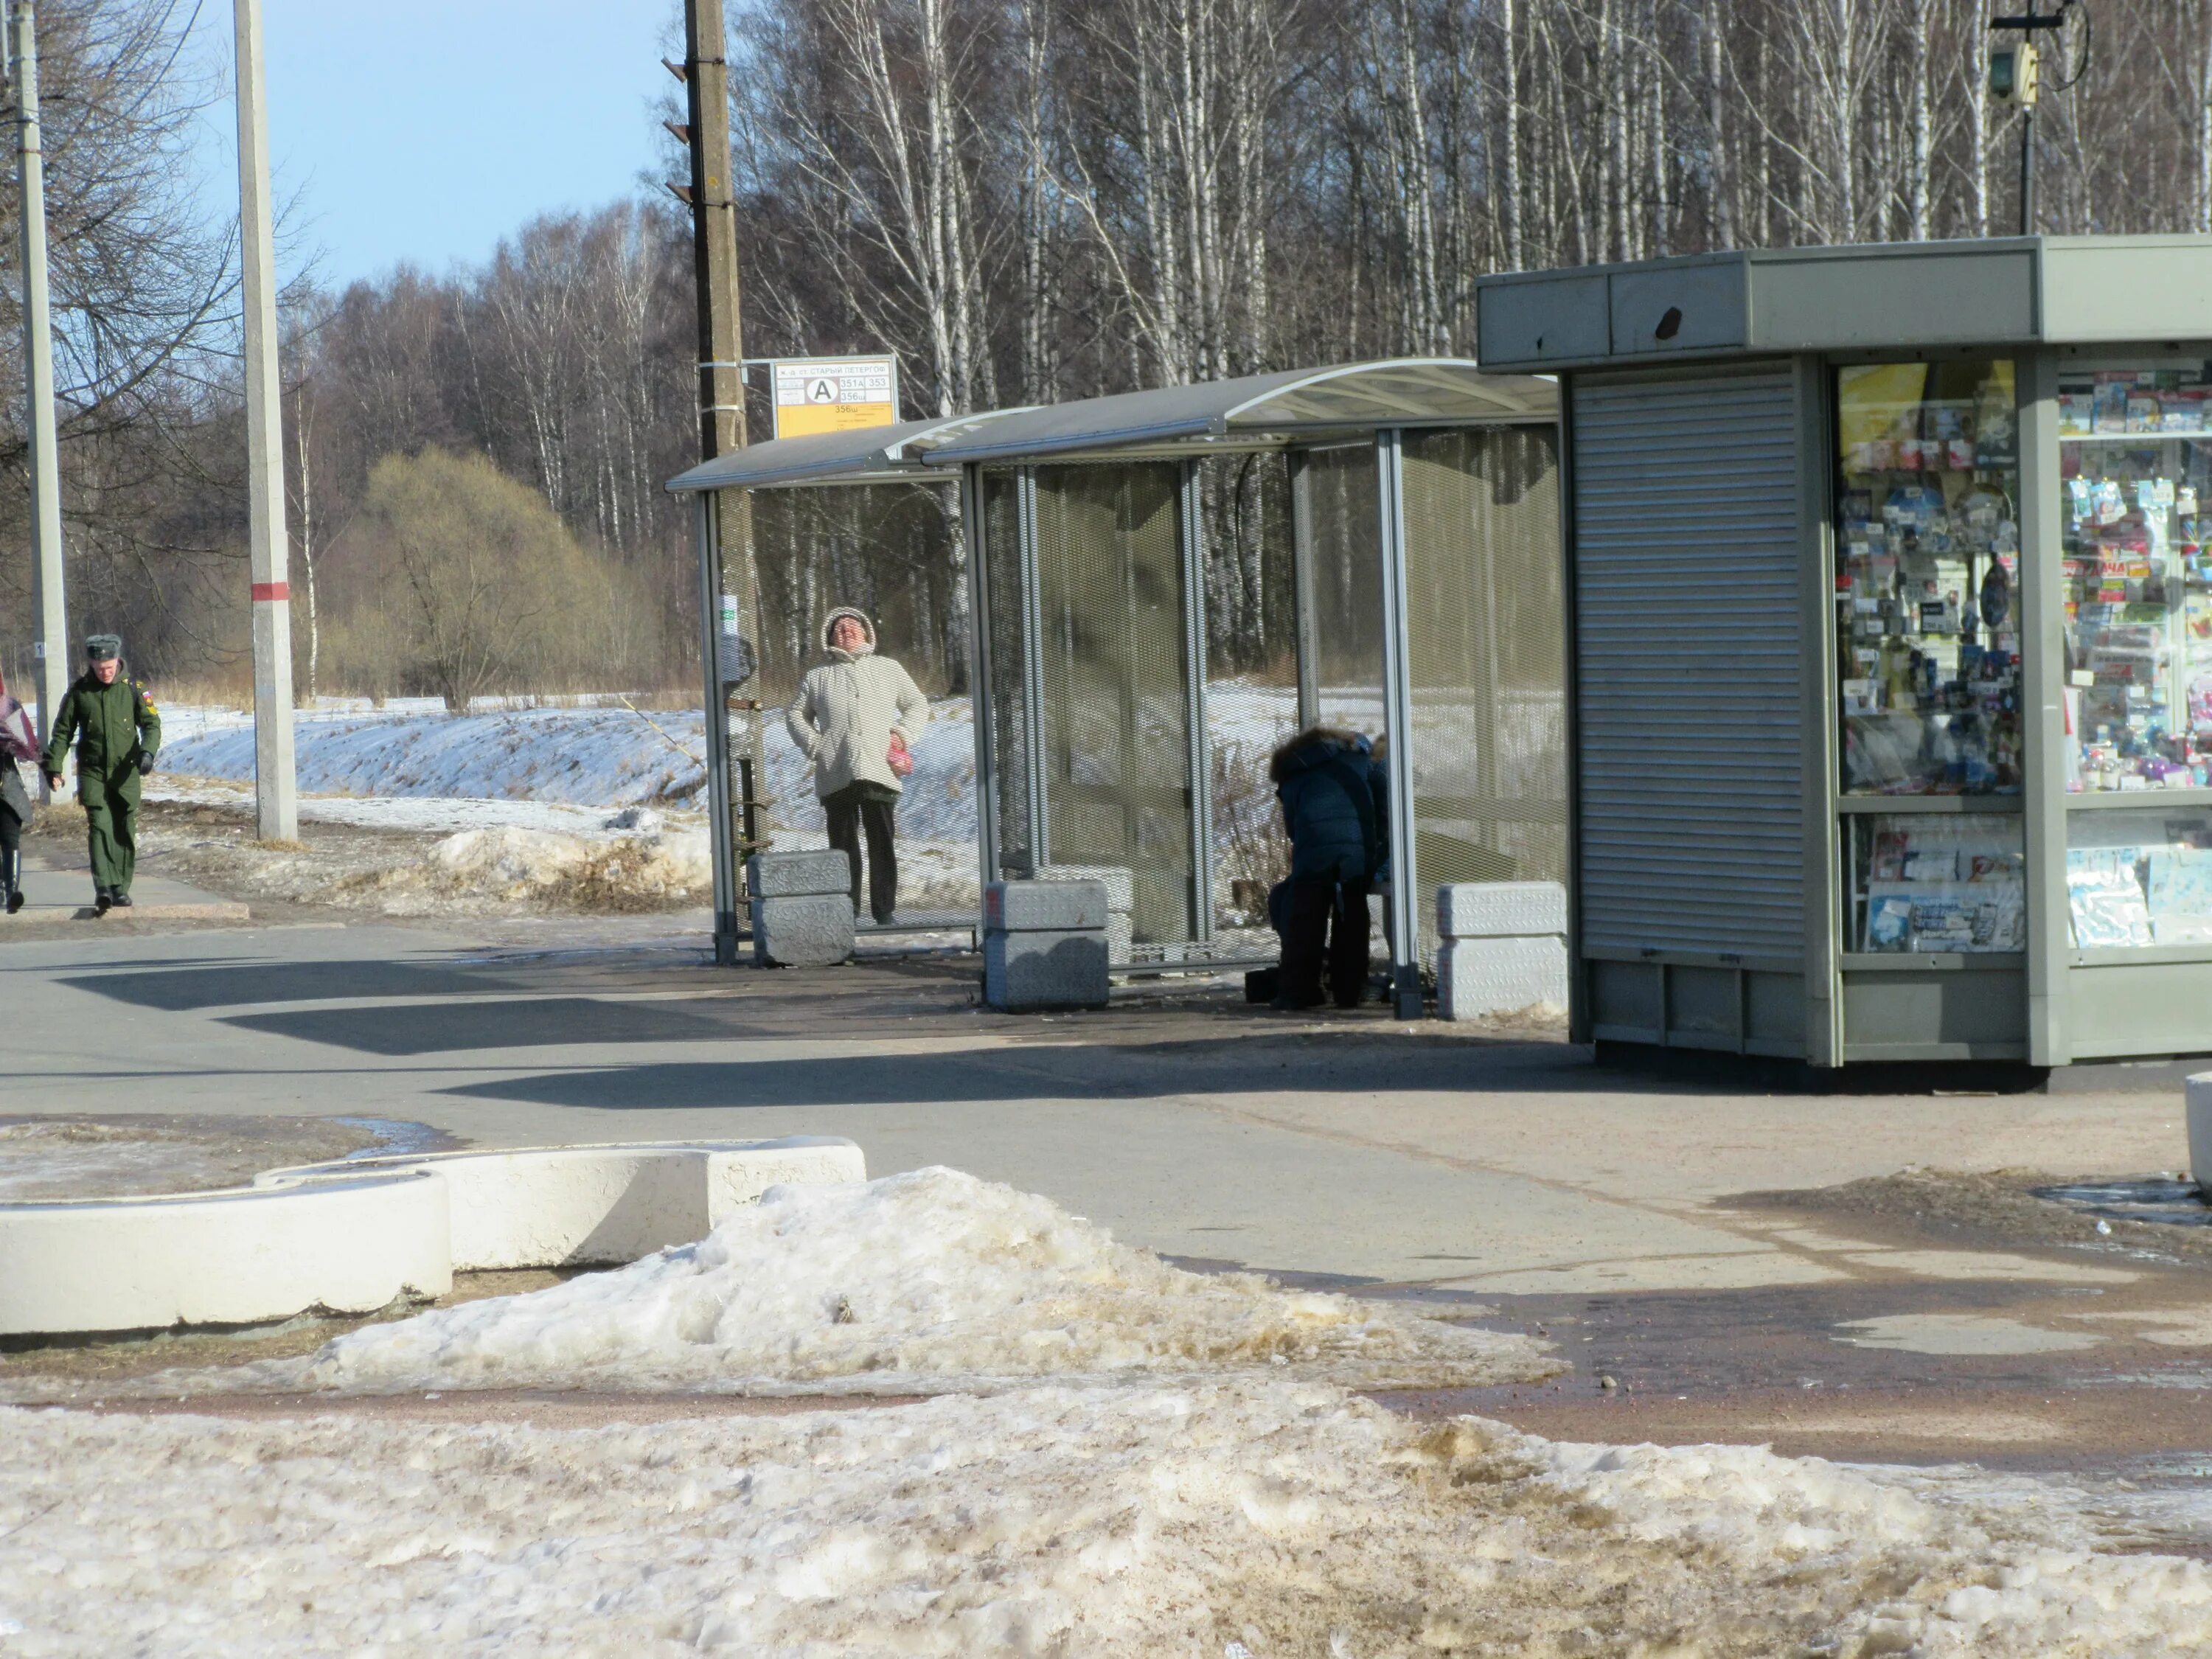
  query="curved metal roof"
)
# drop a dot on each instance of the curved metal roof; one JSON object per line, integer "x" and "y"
{"x": 879, "y": 454}
{"x": 1350, "y": 398}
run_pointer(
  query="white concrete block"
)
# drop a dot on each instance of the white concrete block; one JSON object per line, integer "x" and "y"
{"x": 1478, "y": 977}
{"x": 1121, "y": 936}
{"x": 810, "y": 930}
{"x": 1501, "y": 909}
{"x": 352, "y": 1238}
{"x": 1033, "y": 907}
{"x": 1120, "y": 884}
{"x": 1035, "y": 970}
{"x": 2199, "y": 1111}
{"x": 797, "y": 873}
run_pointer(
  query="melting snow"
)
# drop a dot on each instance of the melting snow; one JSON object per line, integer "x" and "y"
{"x": 923, "y": 1282}
{"x": 1288, "y": 1518}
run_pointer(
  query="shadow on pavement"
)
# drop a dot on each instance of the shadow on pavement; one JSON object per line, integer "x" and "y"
{"x": 185, "y": 990}
{"x": 434, "y": 1027}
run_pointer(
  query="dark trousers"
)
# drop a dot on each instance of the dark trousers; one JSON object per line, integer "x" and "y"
{"x": 11, "y": 850}
{"x": 852, "y": 813}
{"x": 1325, "y": 926}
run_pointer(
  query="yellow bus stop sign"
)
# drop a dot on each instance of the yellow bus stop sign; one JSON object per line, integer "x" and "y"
{"x": 834, "y": 394}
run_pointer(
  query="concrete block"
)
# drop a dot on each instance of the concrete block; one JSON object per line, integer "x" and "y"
{"x": 354, "y": 1237}
{"x": 811, "y": 932}
{"x": 2199, "y": 1097}
{"x": 1120, "y": 884}
{"x": 1035, "y": 906}
{"x": 1032, "y": 970}
{"x": 1121, "y": 936}
{"x": 1501, "y": 909}
{"x": 1479, "y": 977}
{"x": 797, "y": 874}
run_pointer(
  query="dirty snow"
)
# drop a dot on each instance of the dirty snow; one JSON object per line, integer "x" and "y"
{"x": 922, "y": 1282}
{"x": 1264, "y": 1516}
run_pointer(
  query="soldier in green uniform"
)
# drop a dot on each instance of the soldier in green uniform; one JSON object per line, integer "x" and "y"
{"x": 116, "y": 730}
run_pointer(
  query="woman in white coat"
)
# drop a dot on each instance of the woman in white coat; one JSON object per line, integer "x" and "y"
{"x": 857, "y": 718}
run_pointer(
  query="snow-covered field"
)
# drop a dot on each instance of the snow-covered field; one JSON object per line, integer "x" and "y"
{"x": 1223, "y": 1498}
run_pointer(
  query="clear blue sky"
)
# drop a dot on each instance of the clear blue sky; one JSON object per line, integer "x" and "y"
{"x": 427, "y": 130}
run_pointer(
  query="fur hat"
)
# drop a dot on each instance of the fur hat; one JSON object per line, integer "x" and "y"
{"x": 103, "y": 648}
{"x": 867, "y": 628}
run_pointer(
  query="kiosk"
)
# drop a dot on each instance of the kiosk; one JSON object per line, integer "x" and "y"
{"x": 1891, "y": 625}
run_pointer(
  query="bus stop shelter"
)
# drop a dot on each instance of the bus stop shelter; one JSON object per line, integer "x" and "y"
{"x": 1163, "y": 584}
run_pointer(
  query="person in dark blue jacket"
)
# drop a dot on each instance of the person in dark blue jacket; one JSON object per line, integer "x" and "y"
{"x": 1328, "y": 784}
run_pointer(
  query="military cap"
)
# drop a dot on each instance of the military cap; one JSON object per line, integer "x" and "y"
{"x": 103, "y": 648}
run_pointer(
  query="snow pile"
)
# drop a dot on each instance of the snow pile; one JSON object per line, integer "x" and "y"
{"x": 646, "y": 869}
{"x": 1262, "y": 1515}
{"x": 921, "y": 1282}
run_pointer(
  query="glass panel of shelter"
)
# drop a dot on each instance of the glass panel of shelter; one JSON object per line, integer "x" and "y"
{"x": 1927, "y": 654}
{"x": 2135, "y": 450}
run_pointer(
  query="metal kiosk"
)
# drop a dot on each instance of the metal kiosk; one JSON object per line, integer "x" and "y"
{"x": 1891, "y": 615}
{"x": 1411, "y": 506}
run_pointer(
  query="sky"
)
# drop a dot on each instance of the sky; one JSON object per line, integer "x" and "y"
{"x": 427, "y": 130}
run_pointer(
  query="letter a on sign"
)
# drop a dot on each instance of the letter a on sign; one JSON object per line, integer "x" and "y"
{"x": 834, "y": 394}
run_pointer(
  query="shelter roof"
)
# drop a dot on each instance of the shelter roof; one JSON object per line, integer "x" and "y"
{"x": 1264, "y": 409}
{"x": 2082, "y": 292}
{"x": 880, "y": 454}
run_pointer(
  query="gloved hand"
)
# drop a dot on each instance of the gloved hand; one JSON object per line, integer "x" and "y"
{"x": 145, "y": 763}
{"x": 54, "y": 782}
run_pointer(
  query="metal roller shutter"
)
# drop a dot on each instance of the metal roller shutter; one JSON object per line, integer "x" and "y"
{"x": 1690, "y": 659}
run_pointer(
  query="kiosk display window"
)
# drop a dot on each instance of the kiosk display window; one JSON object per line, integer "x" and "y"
{"x": 2135, "y": 450}
{"x": 1929, "y": 882}
{"x": 1926, "y": 559}
{"x": 2140, "y": 878}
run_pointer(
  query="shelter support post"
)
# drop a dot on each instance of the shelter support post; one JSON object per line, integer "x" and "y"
{"x": 1306, "y": 622}
{"x": 1406, "y": 999}
{"x": 1821, "y": 831}
{"x": 983, "y": 711}
{"x": 2041, "y": 596}
{"x": 1033, "y": 748}
{"x": 715, "y": 734}
{"x": 1191, "y": 513}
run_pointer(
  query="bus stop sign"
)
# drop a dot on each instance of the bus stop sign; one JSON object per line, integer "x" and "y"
{"x": 834, "y": 394}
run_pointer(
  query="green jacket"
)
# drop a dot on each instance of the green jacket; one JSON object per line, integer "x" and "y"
{"x": 111, "y": 724}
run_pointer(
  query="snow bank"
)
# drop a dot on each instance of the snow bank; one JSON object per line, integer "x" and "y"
{"x": 917, "y": 1283}
{"x": 1141, "y": 1521}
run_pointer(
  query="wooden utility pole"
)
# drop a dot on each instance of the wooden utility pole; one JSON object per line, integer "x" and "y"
{"x": 706, "y": 76}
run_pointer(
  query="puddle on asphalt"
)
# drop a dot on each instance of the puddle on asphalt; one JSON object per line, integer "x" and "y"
{"x": 2151, "y": 1198}
{"x": 1959, "y": 1334}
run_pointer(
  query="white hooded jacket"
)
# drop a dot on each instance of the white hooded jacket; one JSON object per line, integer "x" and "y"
{"x": 846, "y": 710}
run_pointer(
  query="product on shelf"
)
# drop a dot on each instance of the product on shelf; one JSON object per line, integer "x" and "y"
{"x": 2135, "y": 456}
{"x": 1927, "y": 553}
{"x": 1938, "y": 883}
{"x": 2144, "y": 878}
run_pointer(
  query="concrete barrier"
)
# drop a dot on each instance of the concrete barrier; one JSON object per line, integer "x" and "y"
{"x": 1504, "y": 947}
{"x": 1044, "y": 945}
{"x": 801, "y": 908}
{"x": 2199, "y": 1113}
{"x": 352, "y": 1238}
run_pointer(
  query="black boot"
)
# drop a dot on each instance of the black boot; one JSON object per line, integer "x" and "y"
{"x": 15, "y": 898}
{"x": 119, "y": 899}
{"x": 101, "y": 899}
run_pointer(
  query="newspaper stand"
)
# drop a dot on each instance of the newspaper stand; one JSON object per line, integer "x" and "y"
{"x": 1892, "y": 643}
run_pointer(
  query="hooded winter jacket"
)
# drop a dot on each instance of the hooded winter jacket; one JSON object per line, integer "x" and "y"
{"x": 846, "y": 710}
{"x": 1331, "y": 808}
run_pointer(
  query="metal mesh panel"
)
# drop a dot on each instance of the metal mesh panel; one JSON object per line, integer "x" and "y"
{"x": 1115, "y": 714}
{"x": 1002, "y": 599}
{"x": 1347, "y": 554}
{"x": 1486, "y": 658}
{"x": 1251, "y": 680}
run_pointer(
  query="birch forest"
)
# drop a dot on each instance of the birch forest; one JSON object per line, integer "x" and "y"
{"x": 1027, "y": 201}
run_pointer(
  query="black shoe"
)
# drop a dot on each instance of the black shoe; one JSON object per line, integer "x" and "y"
{"x": 101, "y": 900}
{"x": 1290, "y": 1005}
{"x": 120, "y": 899}
{"x": 15, "y": 900}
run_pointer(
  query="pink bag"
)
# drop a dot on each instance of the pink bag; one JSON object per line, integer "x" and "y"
{"x": 899, "y": 758}
{"x": 17, "y": 740}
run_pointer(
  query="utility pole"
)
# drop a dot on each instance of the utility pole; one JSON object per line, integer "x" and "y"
{"x": 50, "y": 649}
{"x": 705, "y": 75}
{"x": 275, "y": 786}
